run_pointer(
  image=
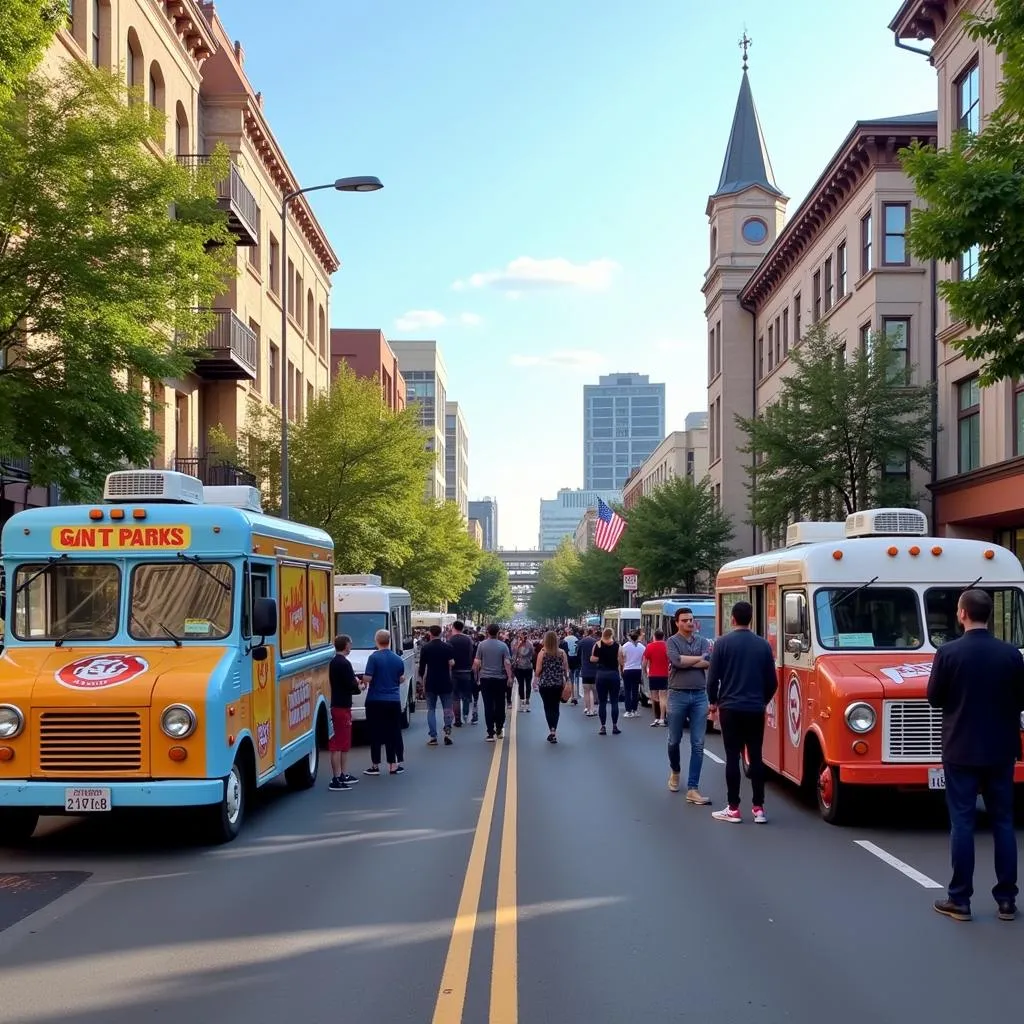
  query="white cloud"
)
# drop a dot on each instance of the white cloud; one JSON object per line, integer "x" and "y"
{"x": 427, "y": 319}
{"x": 565, "y": 359}
{"x": 528, "y": 273}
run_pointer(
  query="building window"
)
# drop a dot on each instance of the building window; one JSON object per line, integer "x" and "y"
{"x": 274, "y": 375}
{"x": 865, "y": 337}
{"x": 829, "y": 285}
{"x": 967, "y": 270}
{"x": 96, "y": 34}
{"x": 1018, "y": 416}
{"x": 131, "y": 62}
{"x": 816, "y": 297}
{"x": 866, "y": 236}
{"x": 897, "y": 467}
{"x": 968, "y": 425}
{"x": 711, "y": 355}
{"x": 760, "y": 358}
{"x": 321, "y": 332}
{"x": 785, "y": 332}
{"x": 897, "y": 333}
{"x": 968, "y": 100}
{"x": 797, "y": 320}
{"x": 841, "y": 270}
{"x": 255, "y": 328}
{"x": 275, "y": 266}
{"x": 718, "y": 346}
{"x": 771, "y": 347}
{"x": 895, "y": 217}
{"x": 310, "y": 317}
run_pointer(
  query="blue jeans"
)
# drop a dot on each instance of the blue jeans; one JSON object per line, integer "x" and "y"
{"x": 446, "y": 707}
{"x": 687, "y": 706}
{"x": 995, "y": 784}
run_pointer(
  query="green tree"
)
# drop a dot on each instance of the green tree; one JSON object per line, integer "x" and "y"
{"x": 489, "y": 596}
{"x": 974, "y": 192}
{"x": 100, "y": 286}
{"x": 552, "y": 599}
{"x": 26, "y": 28}
{"x": 824, "y": 446}
{"x": 443, "y": 558}
{"x": 677, "y": 536}
{"x": 596, "y": 583}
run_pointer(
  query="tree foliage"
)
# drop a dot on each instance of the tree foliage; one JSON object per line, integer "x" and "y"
{"x": 27, "y": 26}
{"x": 974, "y": 192}
{"x": 824, "y": 446}
{"x": 596, "y": 583}
{"x": 100, "y": 285}
{"x": 677, "y": 536}
{"x": 552, "y": 599}
{"x": 489, "y": 596}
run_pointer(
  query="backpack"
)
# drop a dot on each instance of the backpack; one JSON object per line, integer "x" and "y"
{"x": 571, "y": 645}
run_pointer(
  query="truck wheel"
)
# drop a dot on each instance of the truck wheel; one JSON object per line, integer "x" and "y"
{"x": 407, "y": 710}
{"x": 17, "y": 825}
{"x": 224, "y": 820}
{"x": 302, "y": 774}
{"x": 833, "y": 796}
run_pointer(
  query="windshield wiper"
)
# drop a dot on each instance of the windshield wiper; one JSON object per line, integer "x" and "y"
{"x": 194, "y": 560}
{"x": 160, "y": 625}
{"x": 50, "y": 563}
{"x": 59, "y": 642}
{"x": 850, "y": 593}
{"x": 971, "y": 586}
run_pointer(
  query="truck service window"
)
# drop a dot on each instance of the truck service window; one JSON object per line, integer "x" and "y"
{"x": 361, "y": 626}
{"x": 1007, "y": 614}
{"x": 872, "y": 618}
{"x": 182, "y": 601}
{"x": 66, "y": 600}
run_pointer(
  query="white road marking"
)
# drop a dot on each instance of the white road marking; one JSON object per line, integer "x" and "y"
{"x": 713, "y": 756}
{"x": 894, "y": 862}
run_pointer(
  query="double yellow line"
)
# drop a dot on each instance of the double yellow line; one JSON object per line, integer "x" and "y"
{"x": 451, "y": 997}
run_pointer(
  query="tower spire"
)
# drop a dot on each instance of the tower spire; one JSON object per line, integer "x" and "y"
{"x": 745, "y": 44}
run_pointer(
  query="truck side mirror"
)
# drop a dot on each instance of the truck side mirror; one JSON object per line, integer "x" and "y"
{"x": 264, "y": 617}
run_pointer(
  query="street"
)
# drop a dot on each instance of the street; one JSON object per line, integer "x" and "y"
{"x": 599, "y": 896}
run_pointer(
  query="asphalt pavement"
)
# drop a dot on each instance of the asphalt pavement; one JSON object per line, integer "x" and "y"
{"x": 498, "y": 883}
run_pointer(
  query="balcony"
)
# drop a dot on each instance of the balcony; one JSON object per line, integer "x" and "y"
{"x": 14, "y": 467}
{"x": 215, "y": 472}
{"x": 231, "y": 351}
{"x": 235, "y": 199}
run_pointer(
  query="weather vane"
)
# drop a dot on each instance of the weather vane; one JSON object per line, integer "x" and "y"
{"x": 745, "y": 44}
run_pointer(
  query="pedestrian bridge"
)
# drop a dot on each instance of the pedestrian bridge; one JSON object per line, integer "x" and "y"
{"x": 523, "y": 567}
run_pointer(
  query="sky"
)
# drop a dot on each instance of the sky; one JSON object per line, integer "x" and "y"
{"x": 546, "y": 169}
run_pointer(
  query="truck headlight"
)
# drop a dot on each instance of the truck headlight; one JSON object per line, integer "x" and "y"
{"x": 860, "y": 717}
{"x": 178, "y": 721}
{"x": 12, "y": 721}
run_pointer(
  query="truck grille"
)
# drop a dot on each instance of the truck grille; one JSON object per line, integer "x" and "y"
{"x": 90, "y": 742}
{"x": 911, "y": 731}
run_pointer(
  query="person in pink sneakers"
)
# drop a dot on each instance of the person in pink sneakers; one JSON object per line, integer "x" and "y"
{"x": 741, "y": 681}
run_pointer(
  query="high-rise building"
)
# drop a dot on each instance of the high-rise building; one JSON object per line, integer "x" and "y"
{"x": 559, "y": 516}
{"x": 486, "y": 512}
{"x": 683, "y": 453}
{"x": 426, "y": 384}
{"x": 368, "y": 353}
{"x": 623, "y": 422}
{"x": 456, "y": 457}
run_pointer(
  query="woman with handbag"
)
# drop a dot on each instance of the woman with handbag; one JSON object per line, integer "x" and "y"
{"x": 607, "y": 656}
{"x": 552, "y": 681}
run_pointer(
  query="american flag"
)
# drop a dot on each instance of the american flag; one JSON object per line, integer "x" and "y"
{"x": 609, "y": 528}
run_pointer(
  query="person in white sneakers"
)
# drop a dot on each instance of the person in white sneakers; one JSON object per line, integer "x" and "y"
{"x": 741, "y": 681}
{"x": 632, "y": 671}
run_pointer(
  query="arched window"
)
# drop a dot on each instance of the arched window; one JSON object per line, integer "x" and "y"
{"x": 714, "y": 243}
{"x": 155, "y": 87}
{"x": 133, "y": 61}
{"x": 321, "y": 332}
{"x": 182, "y": 144}
{"x": 309, "y": 315}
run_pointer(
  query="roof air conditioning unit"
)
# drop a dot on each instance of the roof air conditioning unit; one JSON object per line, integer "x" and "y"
{"x": 153, "y": 485}
{"x": 356, "y": 580}
{"x": 236, "y": 496}
{"x": 887, "y": 522}
{"x": 812, "y": 533}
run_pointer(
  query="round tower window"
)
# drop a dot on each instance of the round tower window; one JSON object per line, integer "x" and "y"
{"x": 755, "y": 231}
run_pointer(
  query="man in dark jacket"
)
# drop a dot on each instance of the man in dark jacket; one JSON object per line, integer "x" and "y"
{"x": 462, "y": 673}
{"x": 741, "y": 682}
{"x": 978, "y": 682}
{"x": 436, "y": 662}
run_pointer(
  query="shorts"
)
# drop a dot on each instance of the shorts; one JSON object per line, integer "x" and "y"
{"x": 657, "y": 683}
{"x": 341, "y": 741}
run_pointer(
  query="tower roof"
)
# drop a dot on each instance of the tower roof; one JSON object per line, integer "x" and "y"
{"x": 746, "y": 157}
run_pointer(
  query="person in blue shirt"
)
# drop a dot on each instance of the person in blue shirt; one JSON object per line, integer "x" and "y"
{"x": 383, "y": 677}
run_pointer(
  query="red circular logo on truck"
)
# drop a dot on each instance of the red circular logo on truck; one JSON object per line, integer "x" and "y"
{"x": 101, "y": 671}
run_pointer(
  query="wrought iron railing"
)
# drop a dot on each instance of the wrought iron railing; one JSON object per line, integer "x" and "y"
{"x": 233, "y": 189}
{"x": 215, "y": 472}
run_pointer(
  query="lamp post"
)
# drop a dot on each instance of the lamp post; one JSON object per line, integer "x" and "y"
{"x": 359, "y": 183}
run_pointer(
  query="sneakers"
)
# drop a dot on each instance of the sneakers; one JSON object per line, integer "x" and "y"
{"x": 694, "y": 796}
{"x": 338, "y": 785}
{"x": 615, "y": 730}
{"x": 432, "y": 742}
{"x": 673, "y": 782}
{"x": 1007, "y": 910}
{"x": 490, "y": 738}
{"x": 448, "y": 736}
{"x": 399, "y": 770}
{"x": 730, "y": 814}
{"x": 475, "y": 718}
{"x": 350, "y": 779}
{"x": 956, "y": 911}
{"x": 656, "y": 723}
{"x": 374, "y": 769}
{"x": 760, "y": 818}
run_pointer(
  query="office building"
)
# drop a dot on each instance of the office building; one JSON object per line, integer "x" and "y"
{"x": 456, "y": 457}
{"x": 623, "y": 422}
{"x": 476, "y": 531}
{"x": 841, "y": 259}
{"x": 426, "y": 384}
{"x": 486, "y": 512}
{"x": 683, "y": 453}
{"x": 559, "y": 516}
{"x": 368, "y": 353}
{"x": 583, "y": 538}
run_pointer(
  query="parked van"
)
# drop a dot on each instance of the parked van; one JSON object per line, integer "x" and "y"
{"x": 361, "y": 607}
{"x": 621, "y": 621}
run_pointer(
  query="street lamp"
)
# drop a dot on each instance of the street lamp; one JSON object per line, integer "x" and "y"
{"x": 358, "y": 183}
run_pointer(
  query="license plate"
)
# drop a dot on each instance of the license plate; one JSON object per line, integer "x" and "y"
{"x": 936, "y": 778}
{"x": 86, "y": 800}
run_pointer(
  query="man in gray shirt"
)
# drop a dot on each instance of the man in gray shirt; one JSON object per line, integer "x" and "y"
{"x": 688, "y": 658}
{"x": 494, "y": 665}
